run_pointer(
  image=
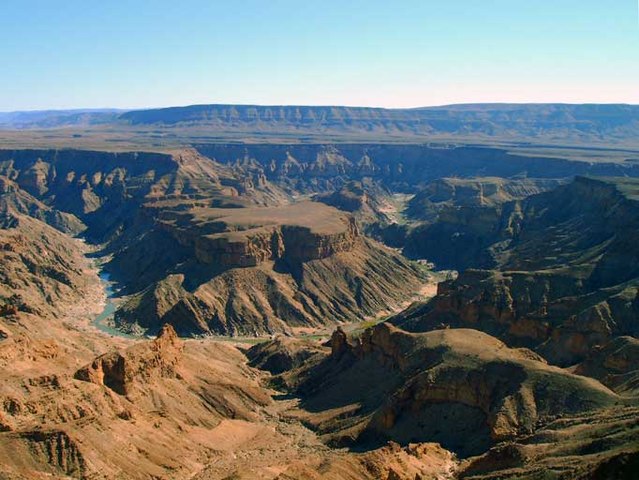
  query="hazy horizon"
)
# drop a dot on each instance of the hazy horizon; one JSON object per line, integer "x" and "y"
{"x": 125, "y": 109}
{"x": 144, "y": 54}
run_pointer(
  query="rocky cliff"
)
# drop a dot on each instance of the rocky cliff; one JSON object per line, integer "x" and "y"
{"x": 564, "y": 278}
{"x": 502, "y": 121}
{"x": 14, "y": 200}
{"x": 106, "y": 190}
{"x": 270, "y": 297}
{"x": 400, "y": 168}
{"x": 445, "y": 193}
{"x": 455, "y": 221}
{"x": 120, "y": 371}
{"x": 230, "y": 237}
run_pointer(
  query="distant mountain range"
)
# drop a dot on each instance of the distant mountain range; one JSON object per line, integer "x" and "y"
{"x": 58, "y": 118}
{"x": 616, "y": 123}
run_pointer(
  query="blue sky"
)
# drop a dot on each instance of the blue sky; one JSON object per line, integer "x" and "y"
{"x": 146, "y": 53}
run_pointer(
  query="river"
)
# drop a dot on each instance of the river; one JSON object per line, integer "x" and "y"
{"x": 103, "y": 321}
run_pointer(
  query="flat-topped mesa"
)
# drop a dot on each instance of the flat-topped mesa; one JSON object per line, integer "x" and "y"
{"x": 247, "y": 237}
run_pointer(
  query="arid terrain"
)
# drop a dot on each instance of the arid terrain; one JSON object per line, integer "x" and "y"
{"x": 232, "y": 292}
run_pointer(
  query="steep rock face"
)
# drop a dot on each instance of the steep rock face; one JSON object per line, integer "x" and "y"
{"x": 473, "y": 192}
{"x": 549, "y": 312}
{"x": 459, "y": 239}
{"x": 41, "y": 269}
{"x": 119, "y": 371}
{"x": 14, "y": 200}
{"x": 460, "y": 219}
{"x": 289, "y": 243}
{"x": 300, "y": 244}
{"x": 271, "y": 298}
{"x": 322, "y": 168}
{"x": 558, "y": 285}
{"x": 86, "y": 183}
{"x": 575, "y": 122}
{"x": 106, "y": 190}
{"x": 56, "y": 452}
{"x": 459, "y": 387}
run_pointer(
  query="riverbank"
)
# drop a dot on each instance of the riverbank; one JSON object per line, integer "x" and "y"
{"x": 97, "y": 306}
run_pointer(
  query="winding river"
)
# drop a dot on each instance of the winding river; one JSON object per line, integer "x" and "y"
{"x": 103, "y": 321}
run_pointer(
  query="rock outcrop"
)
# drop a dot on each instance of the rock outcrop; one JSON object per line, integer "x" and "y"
{"x": 120, "y": 371}
{"x": 157, "y": 408}
{"x": 461, "y": 388}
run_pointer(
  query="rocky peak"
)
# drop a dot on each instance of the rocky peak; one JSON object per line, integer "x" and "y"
{"x": 384, "y": 341}
{"x": 340, "y": 343}
{"x": 122, "y": 371}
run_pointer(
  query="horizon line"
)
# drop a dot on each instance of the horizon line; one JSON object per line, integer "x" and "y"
{"x": 283, "y": 105}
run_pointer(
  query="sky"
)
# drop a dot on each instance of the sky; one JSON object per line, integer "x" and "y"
{"x": 60, "y": 54}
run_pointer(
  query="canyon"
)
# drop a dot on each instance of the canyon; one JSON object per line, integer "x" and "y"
{"x": 272, "y": 308}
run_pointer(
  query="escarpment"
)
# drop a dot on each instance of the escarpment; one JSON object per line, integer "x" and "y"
{"x": 230, "y": 237}
{"x": 273, "y": 297}
{"x": 311, "y": 168}
{"x": 260, "y": 270}
{"x": 558, "y": 283}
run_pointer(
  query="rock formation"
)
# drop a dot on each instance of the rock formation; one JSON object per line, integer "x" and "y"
{"x": 183, "y": 224}
{"x": 43, "y": 270}
{"x": 272, "y": 297}
{"x": 120, "y": 371}
{"x": 564, "y": 274}
{"x": 522, "y": 367}
{"x": 461, "y": 388}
